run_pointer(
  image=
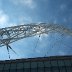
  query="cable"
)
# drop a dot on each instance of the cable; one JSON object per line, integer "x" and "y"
{"x": 8, "y": 51}
{"x": 37, "y": 43}
{"x": 12, "y": 49}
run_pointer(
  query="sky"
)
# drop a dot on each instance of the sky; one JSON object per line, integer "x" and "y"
{"x": 17, "y": 12}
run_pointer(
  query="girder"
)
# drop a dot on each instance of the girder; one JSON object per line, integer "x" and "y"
{"x": 14, "y": 33}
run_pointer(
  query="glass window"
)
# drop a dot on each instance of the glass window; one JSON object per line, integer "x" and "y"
{"x": 40, "y": 64}
{"x": 60, "y": 63}
{"x": 40, "y": 69}
{"x": 5, "y": 70}
{"x": 33, "y": 64}
{"x": 12, "y": 70}
{"x": 19, "y": 70}
{"x": 13, "y": 66}
{"x": 54, "y": 63}
{"x": 6, "y": 66}
{"x": 69, "y": 69}
{"x": 1, "y": 66}
{"x": 19, "y": 65}
{"x": 1, "y": 71}
{"x": 34, "y": 70}
{"x": 55, "y": 69}
{"x": 47, "y": 70}
{"x": 47, "y": 64}
{"x": 62, "y": 69}
{"x": 27, "y": 65}
{"x": 67, "y": 62}
{"x": 71, "y": 62}
{"x": 26, "y": 69}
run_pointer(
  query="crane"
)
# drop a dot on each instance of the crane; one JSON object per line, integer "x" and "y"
{"x": 11, "y": 34}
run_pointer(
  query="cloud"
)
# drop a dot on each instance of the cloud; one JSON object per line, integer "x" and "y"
{"x": 4, "y": 20}
{"x": 28, "y": 3}
{"x": 63, "y": 6}
{"x": 62, "y": 53}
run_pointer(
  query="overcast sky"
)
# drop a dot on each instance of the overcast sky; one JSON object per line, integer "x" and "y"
{"x": 16, "y": 12}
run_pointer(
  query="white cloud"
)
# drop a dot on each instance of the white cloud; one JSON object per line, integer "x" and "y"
{"x": 4, "y": 20}
{"x": 28, "y": 3}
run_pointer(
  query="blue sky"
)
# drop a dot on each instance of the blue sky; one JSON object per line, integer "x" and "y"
{"x": 16, "y": 12}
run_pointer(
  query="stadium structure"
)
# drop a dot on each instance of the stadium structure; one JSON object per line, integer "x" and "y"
{"x": 40, "y": 64}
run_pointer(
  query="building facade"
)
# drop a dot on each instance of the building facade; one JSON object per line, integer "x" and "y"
{"x": 41, "y": 64}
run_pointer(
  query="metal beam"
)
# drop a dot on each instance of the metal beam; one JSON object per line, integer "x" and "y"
{"x": 11, "y": 34}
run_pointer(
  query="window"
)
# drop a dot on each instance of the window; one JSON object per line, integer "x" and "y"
{"x": 71, "y": 62}
{"x": 60, "y": 63}
{"x": 47, "y": 69}
{"x": 47, "y": 64}
{"x": 27, "y": 65}
{"x": 34, "y": 70}
{"x": 19, "y": 70}
{"x": 1, "y": 66}
{"x": 40, "y": 64}
{"x": 6, "y": 66}
{"x": 33, "y": 64}
{"x": 54, "y": 63}
{"x": 19, "y": 65}
{"x": 40, "y": 69}
{"x": 69, "y": 69}
{"x": 1, "y": 71}
{"x": 12, "y": 70}
{"x": 55, "y": 69}
{"x": 26, "y": 69}
{"x": 67, "y": 62}
{"x": 5, "y": 71}
{"x": 62, "y": 69}
{"x": 13, "y": 66}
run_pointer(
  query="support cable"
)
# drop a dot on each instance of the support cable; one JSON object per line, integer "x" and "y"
{"x": 37, "y": 43}
{"x": 12, "y": 49}
{"x": 8, "y": 51}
